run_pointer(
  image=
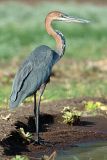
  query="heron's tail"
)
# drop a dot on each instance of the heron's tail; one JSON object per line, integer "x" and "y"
{"x": 13, "y": 105}
{"x": 15, "y": 102}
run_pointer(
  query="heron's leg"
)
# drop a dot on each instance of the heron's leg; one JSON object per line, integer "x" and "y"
{"x": 37, "y": 139}
{"x": 35, "y": 108}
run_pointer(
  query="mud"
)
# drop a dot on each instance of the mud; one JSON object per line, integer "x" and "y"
{"x": 55, "y": 133}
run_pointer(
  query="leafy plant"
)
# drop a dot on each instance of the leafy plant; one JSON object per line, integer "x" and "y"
{"x": 18, "y": 157}
{"x": 26, "y": 136}
{"x": 70, "y": 117}
{"x": 90, "y": 105}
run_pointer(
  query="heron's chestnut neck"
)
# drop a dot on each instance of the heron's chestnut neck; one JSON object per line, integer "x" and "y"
{"x": 60, "y": 46}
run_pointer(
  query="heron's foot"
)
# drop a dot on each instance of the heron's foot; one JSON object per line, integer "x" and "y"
{"x": 38, "y": 141}
{"x": 42, "y": 142}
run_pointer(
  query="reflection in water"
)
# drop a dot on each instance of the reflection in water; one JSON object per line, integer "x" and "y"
{"x": 89, "y": 151}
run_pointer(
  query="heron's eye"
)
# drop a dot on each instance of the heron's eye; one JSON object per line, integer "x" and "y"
{"x": 62, "y": 15}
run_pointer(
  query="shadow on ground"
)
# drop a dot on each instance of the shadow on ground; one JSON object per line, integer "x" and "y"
{"x": 14, "y": 143}
{"x": 52, "y": 129}
{"x": 86, "y": 123}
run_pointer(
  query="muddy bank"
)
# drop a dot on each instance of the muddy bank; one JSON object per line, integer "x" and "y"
{"x": 52, "y": 129}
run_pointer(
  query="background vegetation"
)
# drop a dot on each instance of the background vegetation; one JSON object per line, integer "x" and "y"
{"x": 81, "y": 72}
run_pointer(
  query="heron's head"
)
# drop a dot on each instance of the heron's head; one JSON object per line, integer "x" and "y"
{"x": 59, "y": 16}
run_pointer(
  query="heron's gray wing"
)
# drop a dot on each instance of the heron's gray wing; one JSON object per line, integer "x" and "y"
{"x": 22, "y": 74}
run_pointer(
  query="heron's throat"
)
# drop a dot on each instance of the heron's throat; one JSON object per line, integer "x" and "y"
{"x": 57, "y": 35}
{"x": 60, "y": 43}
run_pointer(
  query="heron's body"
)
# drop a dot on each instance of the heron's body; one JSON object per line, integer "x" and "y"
{"x": 35, "y": 71}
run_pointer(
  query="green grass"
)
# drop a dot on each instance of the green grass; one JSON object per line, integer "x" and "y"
{"x": 76, "y": 89}
{"x": 4, "y": 95}
{"x": 22, "y": 29}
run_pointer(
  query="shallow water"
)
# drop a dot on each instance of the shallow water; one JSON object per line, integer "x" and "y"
{"x": 87, "y": 151}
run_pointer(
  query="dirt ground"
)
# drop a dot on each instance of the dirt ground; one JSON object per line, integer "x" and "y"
{"x": 96, "y": 2}
{"x": 52, "y": 129}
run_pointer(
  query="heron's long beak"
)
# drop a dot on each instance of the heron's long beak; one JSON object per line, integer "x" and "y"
{"x": 69, "y": 19}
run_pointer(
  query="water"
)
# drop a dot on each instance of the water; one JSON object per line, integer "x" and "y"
{"x": 87, "y": 151}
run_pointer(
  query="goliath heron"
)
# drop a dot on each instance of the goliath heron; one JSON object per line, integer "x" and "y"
{"x": 34, "y": 73}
